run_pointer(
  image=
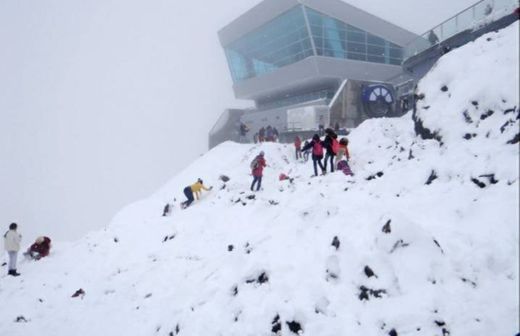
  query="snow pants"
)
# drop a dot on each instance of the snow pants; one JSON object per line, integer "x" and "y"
{"x": 330, "y": 157}
{"x": 317, "y": 162}
{"x": 12, "y": 260}
{"x": 189, "y": 196}
{"x": 256, "y": 179}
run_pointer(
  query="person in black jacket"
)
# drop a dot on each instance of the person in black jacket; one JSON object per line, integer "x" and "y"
{"x": 330, "y": 138}
{"x": 317, "y": 153}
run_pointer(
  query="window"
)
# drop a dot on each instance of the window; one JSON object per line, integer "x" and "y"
{"x": 334, "y": 38}
{"x": 284, "y": 40}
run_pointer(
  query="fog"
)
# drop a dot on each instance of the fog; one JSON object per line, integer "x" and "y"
{"x": 102, "y": 101}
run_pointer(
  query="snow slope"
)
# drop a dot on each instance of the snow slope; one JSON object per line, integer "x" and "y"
{"x": 432, "y": 211}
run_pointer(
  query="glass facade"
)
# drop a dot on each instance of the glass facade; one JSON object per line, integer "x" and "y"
{"x": 285, "y": 40}
{"x": 334, "y": 38}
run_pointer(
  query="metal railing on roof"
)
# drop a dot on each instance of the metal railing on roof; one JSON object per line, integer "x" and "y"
{"x": 475, "y": 16}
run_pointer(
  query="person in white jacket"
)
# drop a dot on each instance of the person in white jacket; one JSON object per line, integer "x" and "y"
{"x": 12, "y": 241}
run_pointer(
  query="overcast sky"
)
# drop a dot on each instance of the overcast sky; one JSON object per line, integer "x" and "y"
{"x": 102, "y": 101}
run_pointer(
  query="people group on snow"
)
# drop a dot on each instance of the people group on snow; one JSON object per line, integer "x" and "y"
{"x": 12, "y": 242}
{"x": 336, "y": 152}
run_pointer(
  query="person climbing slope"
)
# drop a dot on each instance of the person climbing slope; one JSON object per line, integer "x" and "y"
{"x": 298, "y": 147}
{"x": 196, "y": 189}
{"x": 317, "y": 153}
{"x": 331, "y": 144}
{"x": 257, "y": 169}
{"x": 12, "y": 241}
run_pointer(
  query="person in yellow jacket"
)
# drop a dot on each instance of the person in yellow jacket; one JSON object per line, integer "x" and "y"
{"x": 193, "y": 189}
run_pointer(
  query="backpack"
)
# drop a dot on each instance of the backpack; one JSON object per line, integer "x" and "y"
{"x": 254, "y": 163}
{"x": 335, "y": 146}
{"x": 317, "y": 149}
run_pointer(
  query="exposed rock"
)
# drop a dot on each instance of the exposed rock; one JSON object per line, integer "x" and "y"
{"x": 387, "y": 228}
{"x": 335, "y": 242}
{"x": 433, "y": 177}
{"x": 295, "y": 327}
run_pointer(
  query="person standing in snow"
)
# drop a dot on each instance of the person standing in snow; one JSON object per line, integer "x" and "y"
{"x": 196, "y": 189}
{"x": 317, "y": 153}
{"x": 261, "y": 135}
{"x": 331, "y": 145}
{"x": 306, "y": 152}
{"x": 298, "y": 147}
{"x": 257, "y": 167}
{"x": 12, "y": 241}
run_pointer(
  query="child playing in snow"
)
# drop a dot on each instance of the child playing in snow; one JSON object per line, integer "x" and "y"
{"x": 190, "y": 190}
{"x": 343, "y": 150}
{"x": 343, "y": 154}
{"x": 306, "y": 152}
{"x": 39, "y": 249}
{"x": 12, "y": 241}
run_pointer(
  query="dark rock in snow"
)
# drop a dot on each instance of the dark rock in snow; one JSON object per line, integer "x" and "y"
{"x": 393, "y": 333}
{"x": 335, "y": 242}
{"x": 116, "y": 240}
{"x": 365, "y": 293}
{"x": 230, "y": 248}
{"x": 444, "y": 88}
{"x": 21, "y": 319}
{"x": 79, "y": 293}
{"x": 273, "y": 202}
{"x": 251, "y": 197}
{"x": 433, "y": 177}
{"x": 422, "y": 131}
{"x": 467, "y": 118}
{"x": 398, "y": 244}
{"x": 469, "y": 136}
{"x": 515, "y": 140}
{"x": 372, "y": 177}
{"x": 166, "y": 238}
{"x": 261, "y": 279}
{"x": 440, "y": 323}
{"x": 369, "y": 272}
{"x": 486, "y": 115}
{"x": 387, "y": 228}
{"x": 166, "y": 210}
{"x": 295, "y": 327}
{"x": 491, "y": 178}
{"x": 276, "y": 324}
{"x": 480, "y": 184}
{"x": 472, "y": 283}
{"x": 438, "y": 245}
{"x": 235, "y": 290}
{"x": 506, "y": 125}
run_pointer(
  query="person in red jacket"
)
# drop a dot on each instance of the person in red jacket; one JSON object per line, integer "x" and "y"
{"x": 40, "y": 248}
{"x": 298, "y": 147}
{"x": 257, "y": 167}
{"x": 317, "y": 153}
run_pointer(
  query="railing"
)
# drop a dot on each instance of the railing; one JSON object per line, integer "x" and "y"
{"x": 479, "y": 14}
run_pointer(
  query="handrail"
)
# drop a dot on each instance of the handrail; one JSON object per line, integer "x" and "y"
{"x": 481, "y": 12}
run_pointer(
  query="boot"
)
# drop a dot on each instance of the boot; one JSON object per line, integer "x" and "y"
{"x": 13, "y": 273}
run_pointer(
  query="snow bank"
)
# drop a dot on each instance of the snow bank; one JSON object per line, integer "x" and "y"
{"x": 423, "y": 240}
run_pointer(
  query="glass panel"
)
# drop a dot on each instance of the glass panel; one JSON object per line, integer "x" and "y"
{"x": 334, "y": 38}
{"x": 282, "y": 41}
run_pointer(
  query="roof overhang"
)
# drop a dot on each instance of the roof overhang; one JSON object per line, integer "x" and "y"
{"x": 267, "y": 10}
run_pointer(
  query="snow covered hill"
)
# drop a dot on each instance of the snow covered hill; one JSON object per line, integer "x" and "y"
{"x": 423, "y": 240}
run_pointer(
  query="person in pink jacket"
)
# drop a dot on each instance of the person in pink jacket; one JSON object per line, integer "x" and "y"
{"x": 257, "y": 167}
